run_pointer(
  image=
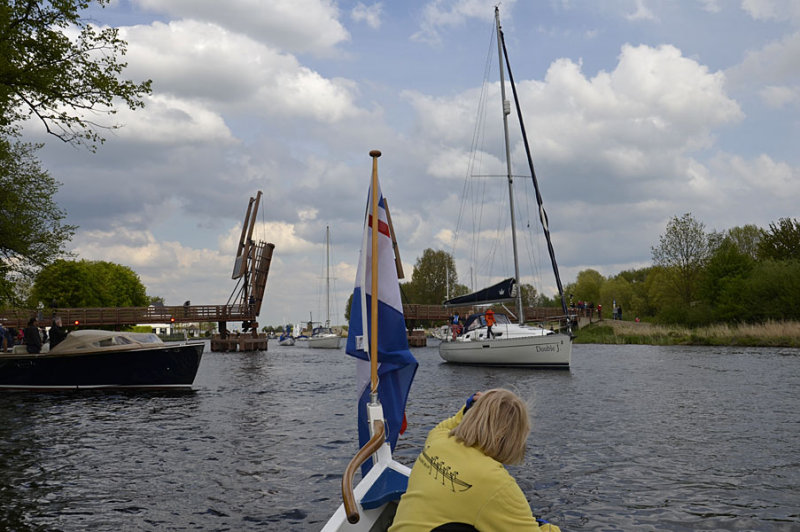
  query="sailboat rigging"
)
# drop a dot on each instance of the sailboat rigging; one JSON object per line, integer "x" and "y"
{"x": 507, "y": 343}
{"x": 322, "y": 336}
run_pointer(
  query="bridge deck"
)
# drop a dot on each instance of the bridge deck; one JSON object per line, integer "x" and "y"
{"x": 119, "y": 316}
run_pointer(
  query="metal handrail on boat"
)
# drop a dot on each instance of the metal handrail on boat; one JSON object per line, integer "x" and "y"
{"x": 363, "y": 454}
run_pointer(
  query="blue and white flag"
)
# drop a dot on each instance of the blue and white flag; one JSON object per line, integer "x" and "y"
{"x": 396, "y": 364}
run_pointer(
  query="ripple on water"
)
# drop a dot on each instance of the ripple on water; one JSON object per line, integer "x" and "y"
{"x": 632, "y": 438}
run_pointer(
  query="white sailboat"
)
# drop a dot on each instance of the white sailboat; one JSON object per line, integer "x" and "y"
{"x": 510, "y": 344}
{"x": 381, "y": 358}
{"x": 286, "y": 338}
{"x": 322, "y": 336}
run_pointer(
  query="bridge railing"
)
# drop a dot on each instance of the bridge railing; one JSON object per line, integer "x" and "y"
{"x": 96, "y": 317}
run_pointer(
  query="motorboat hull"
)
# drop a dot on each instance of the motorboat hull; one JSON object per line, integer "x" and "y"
{"x": 544, "y": 351}
{"x": 168, "y": 366}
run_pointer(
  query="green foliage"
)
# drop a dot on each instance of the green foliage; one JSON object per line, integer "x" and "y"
{"x": 771, "y": 291}
{"x": 723, "y": 281}
{"x": 61, "y": 77}
{"x": 77, "y": 284}
{"x": 682, "y": 251}
{"x": 746, "y": 238}
{"x": 347, "y": 308}
{"x": 530, "y": 297}
{"x": 433, "y": 272}
{"x": 782, "y": 241}
{"x": 586, "y": 286}
{"x": 32, "y": 232}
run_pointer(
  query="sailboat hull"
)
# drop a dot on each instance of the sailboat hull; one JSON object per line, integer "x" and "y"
{"x": 547, "y": 351}
{"x": 325, "y": 342}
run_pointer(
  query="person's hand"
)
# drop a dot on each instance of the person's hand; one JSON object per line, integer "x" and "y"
{"x": 471, "y": 401}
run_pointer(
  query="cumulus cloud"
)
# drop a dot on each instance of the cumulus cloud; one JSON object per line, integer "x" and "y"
{"x": 778, "y": 97}
{"x": 233, "y": 72}
{"x": 773, "y": 64}
{"x": 167, "y": 268}
{"x": 772, "y": 9}
{"x": 295, "y": 25}
{"x": 654, "y": 105}
{"x": 438, "y": 15}
{"x": 642, "y": 12}
{"x": 169, "y": 121}
{"x": 371, "y": 15}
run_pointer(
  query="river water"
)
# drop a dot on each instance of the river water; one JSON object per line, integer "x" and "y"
{"x": 632, "y": 438}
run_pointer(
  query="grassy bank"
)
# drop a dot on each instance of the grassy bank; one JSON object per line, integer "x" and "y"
{"x": 770, "y": 334}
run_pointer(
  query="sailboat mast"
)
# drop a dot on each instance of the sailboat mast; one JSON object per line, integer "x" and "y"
{"x": 327, "y": 276}
{"x": 506, "y": 112}
{"x": 542, "y": 213}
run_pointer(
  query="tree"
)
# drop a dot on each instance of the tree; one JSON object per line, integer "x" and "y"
{"x": 32, "y": 232}
{"x": 80, "y": 284}
{"x": 682, "y": 252}
{"x": 618, "y": 290}
{"x": 530, "y": 297}
{"x": 746, "y": 238}
{"x": 63, "y": 79}
{"x": 781, "y": 241}
{"x": 726, "y": 271}
{"x": 640, "y": 305}
{"x": 59, "y": 79}
{"x": 347, "y": 308}
{"x": 587, "y": 286}
{"x": 433, "y": 272}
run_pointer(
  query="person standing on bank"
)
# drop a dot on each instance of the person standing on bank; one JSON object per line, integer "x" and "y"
{"x": 489, "y": 315}
{"x": 32, "y": 338}
{"x": 56, "y": 332}
{"x": 459, "y": 482}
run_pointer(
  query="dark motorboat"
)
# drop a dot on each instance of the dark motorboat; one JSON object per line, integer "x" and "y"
{"x": 103, "y": 359}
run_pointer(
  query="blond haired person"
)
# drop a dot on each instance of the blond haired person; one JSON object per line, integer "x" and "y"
{"x": 459, "y": 482}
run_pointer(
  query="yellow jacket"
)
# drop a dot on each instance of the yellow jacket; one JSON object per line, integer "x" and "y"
{"x": 453, "y": 483}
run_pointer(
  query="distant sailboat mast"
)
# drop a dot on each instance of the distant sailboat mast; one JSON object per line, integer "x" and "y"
{"x": 506, "y": 112}
{"x": 327, "y": 276}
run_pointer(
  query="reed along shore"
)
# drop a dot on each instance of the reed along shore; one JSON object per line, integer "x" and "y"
{"x": 769, "y": 334}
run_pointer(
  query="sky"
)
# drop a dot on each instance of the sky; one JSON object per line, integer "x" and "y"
{"x": 637, "y": 111}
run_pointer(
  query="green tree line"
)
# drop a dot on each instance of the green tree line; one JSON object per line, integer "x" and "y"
{"x": 744, "y": 274}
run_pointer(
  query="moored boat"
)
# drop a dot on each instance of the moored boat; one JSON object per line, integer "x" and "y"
{"x": 323, "y": 337}
{"x": 104, "y": 359}
{"x": 511, "y": 344}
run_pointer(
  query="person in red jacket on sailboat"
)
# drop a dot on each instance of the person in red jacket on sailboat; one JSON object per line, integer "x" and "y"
{"x": 489, "y": 315}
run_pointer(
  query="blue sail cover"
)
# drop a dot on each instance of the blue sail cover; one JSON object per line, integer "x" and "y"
{"x": 396, "y": 365}
{"x": 502, "y": 291}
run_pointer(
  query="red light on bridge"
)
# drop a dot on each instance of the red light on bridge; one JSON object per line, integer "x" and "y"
{"x": 77, "y": 322}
